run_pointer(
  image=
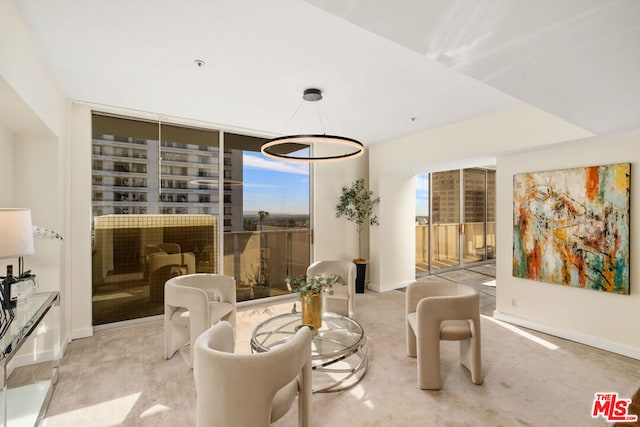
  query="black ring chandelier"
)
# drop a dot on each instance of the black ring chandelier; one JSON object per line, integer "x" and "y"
{"x": 267, "y": 148}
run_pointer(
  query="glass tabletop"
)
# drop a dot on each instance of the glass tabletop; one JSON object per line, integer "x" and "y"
{"x": 21, "y": 321}
{"x": 338, "y": 336}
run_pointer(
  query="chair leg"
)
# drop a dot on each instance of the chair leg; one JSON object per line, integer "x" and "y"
{"x": 175, "y": 337}
{"x": 471, "y": 359}
{"x": 411, "y": 341}
{"x": 429, "y": 377}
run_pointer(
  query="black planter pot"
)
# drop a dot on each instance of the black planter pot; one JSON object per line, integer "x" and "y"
{"x": 361, "y": 271}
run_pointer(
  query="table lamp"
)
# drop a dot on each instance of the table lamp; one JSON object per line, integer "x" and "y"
{"x": 16, "y": 235}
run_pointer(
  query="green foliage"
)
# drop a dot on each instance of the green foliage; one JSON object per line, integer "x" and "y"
{"x": 248, "y": 225}
{"x": 307, "y": 286}
{"x": 356, "y": 205}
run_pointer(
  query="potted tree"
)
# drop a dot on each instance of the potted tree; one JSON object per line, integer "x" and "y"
{"x": 356, "y": 205}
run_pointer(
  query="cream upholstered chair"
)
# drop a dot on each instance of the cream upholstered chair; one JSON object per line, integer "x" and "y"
{"x": 251, "y": 390}
{"x": 442, "y": 311}
{"x": 343, "y": 300}
{"x": 192, "y": 303}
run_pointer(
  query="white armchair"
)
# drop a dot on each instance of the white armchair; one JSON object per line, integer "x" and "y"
{"x": 192, "y": 303}
{"x": 442, "y": 311}
{"x": 343, "y": 300}
{"x": 251, "y": 390}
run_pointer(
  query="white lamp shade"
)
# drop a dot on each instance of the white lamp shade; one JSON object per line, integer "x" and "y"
{"x": 16, "y": 233}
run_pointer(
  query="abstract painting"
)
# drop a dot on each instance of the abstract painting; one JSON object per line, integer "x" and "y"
{"x": 571, "y": 227}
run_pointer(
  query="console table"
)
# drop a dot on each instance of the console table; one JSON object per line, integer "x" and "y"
{"x": 29, "y": 355}
{"x": 338, "y": 349}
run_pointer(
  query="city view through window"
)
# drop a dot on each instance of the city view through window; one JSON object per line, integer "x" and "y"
{"x": 158, "y": 209}
{"x": 455, "y": 218}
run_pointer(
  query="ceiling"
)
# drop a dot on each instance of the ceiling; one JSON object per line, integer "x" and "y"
{"x": 387, "y": 69}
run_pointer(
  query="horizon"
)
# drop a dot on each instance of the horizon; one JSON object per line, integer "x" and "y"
{"x": 278, "y": 187}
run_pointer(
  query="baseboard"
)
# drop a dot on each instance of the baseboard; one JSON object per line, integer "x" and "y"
{"x": 81, "y": 333}
{"x": 28, "y": 359}
{"x": 376, "y": 287}
{"x": 129, "y": 323}
{"x": 589, "y": 340}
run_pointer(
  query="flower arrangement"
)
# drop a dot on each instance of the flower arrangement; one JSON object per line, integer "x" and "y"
{"x": 305, "y": 287}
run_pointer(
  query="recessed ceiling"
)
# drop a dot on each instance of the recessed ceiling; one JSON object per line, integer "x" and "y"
{"x": 378, "y": 63}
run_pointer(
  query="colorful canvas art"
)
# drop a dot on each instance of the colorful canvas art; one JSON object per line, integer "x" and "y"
{"x": 571, "y": 227}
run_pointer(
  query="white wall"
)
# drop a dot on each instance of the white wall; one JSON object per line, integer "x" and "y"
{"x": 603, "y": 320}
{"x": 78, "y": 183}
{"x": 334, "y": 238}
{"x": 6, "y": 172}
{"x": 392, "y": 262}
{"x": 36, "y": 174}
{"x": 21, "y": 65}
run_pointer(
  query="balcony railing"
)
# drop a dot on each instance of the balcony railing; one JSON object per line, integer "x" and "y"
{"x": 445, "y": 244}
{"x": 128, "y": 284}
{"x": 256, "y": 259}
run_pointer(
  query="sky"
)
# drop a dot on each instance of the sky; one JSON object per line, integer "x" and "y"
{"x": 422, "y": 195}
{"x": 276, "y": 186}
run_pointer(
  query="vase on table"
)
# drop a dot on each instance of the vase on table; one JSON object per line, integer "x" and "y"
{"x": 312, "y": 310}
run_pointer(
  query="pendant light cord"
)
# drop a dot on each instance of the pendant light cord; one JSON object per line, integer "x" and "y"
{"x": 292, "y": 116}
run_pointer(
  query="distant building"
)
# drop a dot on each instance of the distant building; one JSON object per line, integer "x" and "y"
{"x": 479, "y": 196}
{"x": 137, "y": 176}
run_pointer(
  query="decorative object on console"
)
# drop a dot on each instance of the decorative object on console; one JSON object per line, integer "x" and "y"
{"x": 9, "y": 290}
{"x": 281, "y": 147}
{"x": 309, "y": 290}
{"x": 356, "y": 205}
{"x": 571, "y": 227}
{"x": 16, "y": 241}
{"x": 46, "y": 233}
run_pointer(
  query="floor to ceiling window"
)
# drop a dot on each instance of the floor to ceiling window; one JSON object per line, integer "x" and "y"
{"x": 163, "y": 195}
{"x": 273, "y": 239}
{"x": 455, "y": 218}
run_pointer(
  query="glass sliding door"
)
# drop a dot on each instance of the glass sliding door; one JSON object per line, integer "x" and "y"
{"x": 491, "y": 214}
{"x": 422, "y": 223}
{"x": 152, "y": 217}
{"x": 267, "y": 235}
{"x": 474, "y": 221}
{"x": 455, "y": 218}
{"x": 445, "y": 219}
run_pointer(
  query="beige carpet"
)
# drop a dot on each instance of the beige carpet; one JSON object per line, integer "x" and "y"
{"x": 119, "y": 377}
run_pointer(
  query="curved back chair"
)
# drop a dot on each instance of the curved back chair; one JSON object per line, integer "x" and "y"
{"x": 343, "y": 300}
{"x": 163, "y": 266}
{"x": 192, "y": 303}
{"x": 442, "y": 311}
{"x": 251, "y": 390}
{"x": 170, "y": 248}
